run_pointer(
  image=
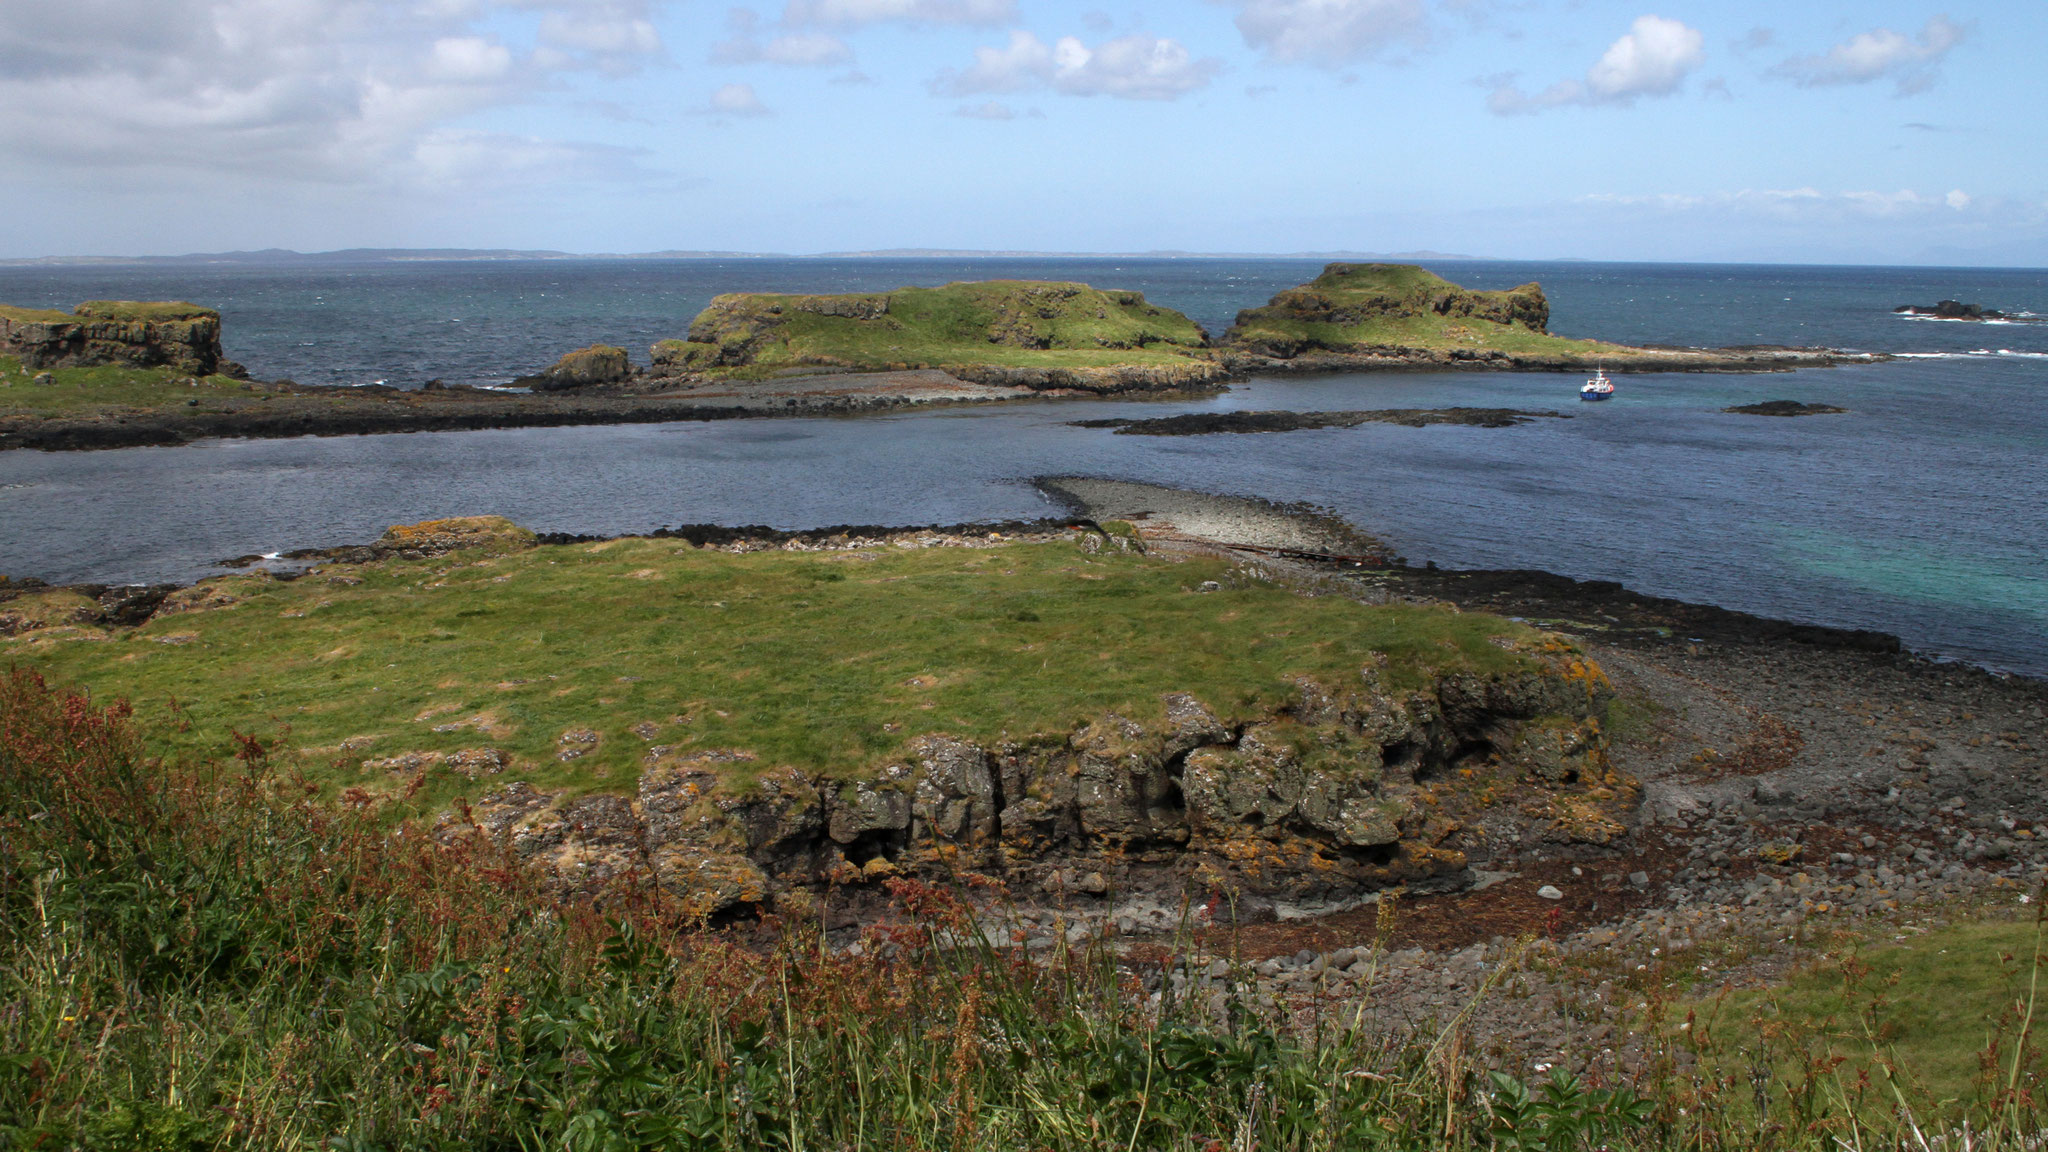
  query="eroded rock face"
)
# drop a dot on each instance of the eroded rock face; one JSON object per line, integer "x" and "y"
{"x": 181, "y": 336}
{"x": 1345, "y": 790}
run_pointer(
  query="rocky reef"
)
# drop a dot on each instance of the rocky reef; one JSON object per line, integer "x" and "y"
{"x": 141, "y": 334}
{"x": 1206, "y": 423}
{"x": 1957, "y": 310}
{"x": 1784, "y": 408}
{"x": 1346, "y": 790}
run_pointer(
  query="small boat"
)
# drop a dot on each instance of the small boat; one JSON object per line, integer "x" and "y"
{"x": 1598, "y": 388}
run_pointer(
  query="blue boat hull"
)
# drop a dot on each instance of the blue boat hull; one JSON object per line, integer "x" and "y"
{"x": 1595, "y": 395}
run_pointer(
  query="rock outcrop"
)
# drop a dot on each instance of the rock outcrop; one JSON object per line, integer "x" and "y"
{"x": 1346, "y": 790}
{"x": 142, "y": 334}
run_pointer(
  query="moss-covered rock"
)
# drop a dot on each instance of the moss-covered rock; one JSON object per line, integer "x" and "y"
{"x": 430, "y": 537}
{"x": 143, "y": 334}
{"x": 597, "y": 364}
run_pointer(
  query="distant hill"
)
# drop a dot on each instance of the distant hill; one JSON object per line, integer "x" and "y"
{"x": 284, "y": 257}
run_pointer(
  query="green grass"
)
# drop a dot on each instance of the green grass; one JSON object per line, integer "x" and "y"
{"x": 1433, "y": 333}
{"x": 35, "y": 315}
{"x": 200, "y": 955}
{"x": 1927, "y": 1001}
{"x": 831, "y": 662}
{"x": 1007, "y": 323}
{"x": 81, "y": 391}
{"x": 145, "y": 310}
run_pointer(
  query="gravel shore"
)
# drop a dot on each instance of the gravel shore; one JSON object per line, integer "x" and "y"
{"x": 1796, "y": 781}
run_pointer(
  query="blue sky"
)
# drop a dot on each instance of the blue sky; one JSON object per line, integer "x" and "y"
{"x": 1871, "y": 132}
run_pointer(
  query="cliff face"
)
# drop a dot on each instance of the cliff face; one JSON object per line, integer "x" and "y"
{"x": 1344, "y": 790}
{"x": 1351, "y": 307}
{"x": 152, "y": 334}
{"x": 1045, "y": 335}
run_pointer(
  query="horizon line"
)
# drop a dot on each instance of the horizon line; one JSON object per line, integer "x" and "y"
{"x": 365, "y": 255}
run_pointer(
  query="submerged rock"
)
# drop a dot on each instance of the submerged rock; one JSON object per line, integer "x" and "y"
{"x": 1204, "y": 423}
{"x": 1784, "y": 408}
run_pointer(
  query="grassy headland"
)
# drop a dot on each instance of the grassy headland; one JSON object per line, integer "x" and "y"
{"x": 1002, "y": 323}
{"x": 829, "y": 662}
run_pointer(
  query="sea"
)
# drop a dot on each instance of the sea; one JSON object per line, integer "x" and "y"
{"x": 1922, "y": 511}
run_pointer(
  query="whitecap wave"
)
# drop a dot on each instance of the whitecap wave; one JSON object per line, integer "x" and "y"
{"x": 1972, "y": 354}
{"x": 2008, "y": 318}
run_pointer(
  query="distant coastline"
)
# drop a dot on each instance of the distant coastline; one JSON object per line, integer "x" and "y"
{"x": 285, "y": 257}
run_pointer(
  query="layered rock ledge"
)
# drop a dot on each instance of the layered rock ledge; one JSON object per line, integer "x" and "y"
{"x": 1342, "y": 793}
{"x": 153, "y": 334}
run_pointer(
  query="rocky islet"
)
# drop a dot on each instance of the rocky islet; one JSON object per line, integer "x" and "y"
{"x": 764, "y": 354}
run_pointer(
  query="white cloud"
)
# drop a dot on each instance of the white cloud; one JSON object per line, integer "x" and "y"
{"x": 1025, "y": 62}
{"x": 1330, "y": 33}
{"x": 343, "y": 91}
{"x": 468, "y": 60}
{"x": 855, "y": 12}
{"x": 450, "y": 158}
{"x": 1877, "y": 55}
{"x": 1795, "y": 204}
{"x": 1652, "y": 59}
{"x": 800, "y": 49}
{"x": 736, "y": 100}
{"x": 989, "y": 110}
{"x": 1134, "y": 67}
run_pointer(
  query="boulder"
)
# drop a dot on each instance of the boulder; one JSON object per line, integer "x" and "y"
{"x": 433, "y": 537}
{"x": 597, "y": 364}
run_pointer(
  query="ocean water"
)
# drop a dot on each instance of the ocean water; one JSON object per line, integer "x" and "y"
{"x": 1924, "y": 511}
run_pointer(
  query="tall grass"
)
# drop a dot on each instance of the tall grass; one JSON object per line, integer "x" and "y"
{"x": 201, "y": 957}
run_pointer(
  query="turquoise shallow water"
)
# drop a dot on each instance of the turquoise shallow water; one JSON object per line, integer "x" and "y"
{"x": 1924, "y": 511}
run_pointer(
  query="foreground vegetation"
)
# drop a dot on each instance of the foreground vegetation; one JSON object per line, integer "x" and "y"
{"x": 202, "y": 956}
{"x": 831, "y": 662}
{"x": 74, "y": 391}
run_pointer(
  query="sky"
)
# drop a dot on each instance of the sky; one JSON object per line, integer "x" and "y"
{"x": 1812, "y": 131}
